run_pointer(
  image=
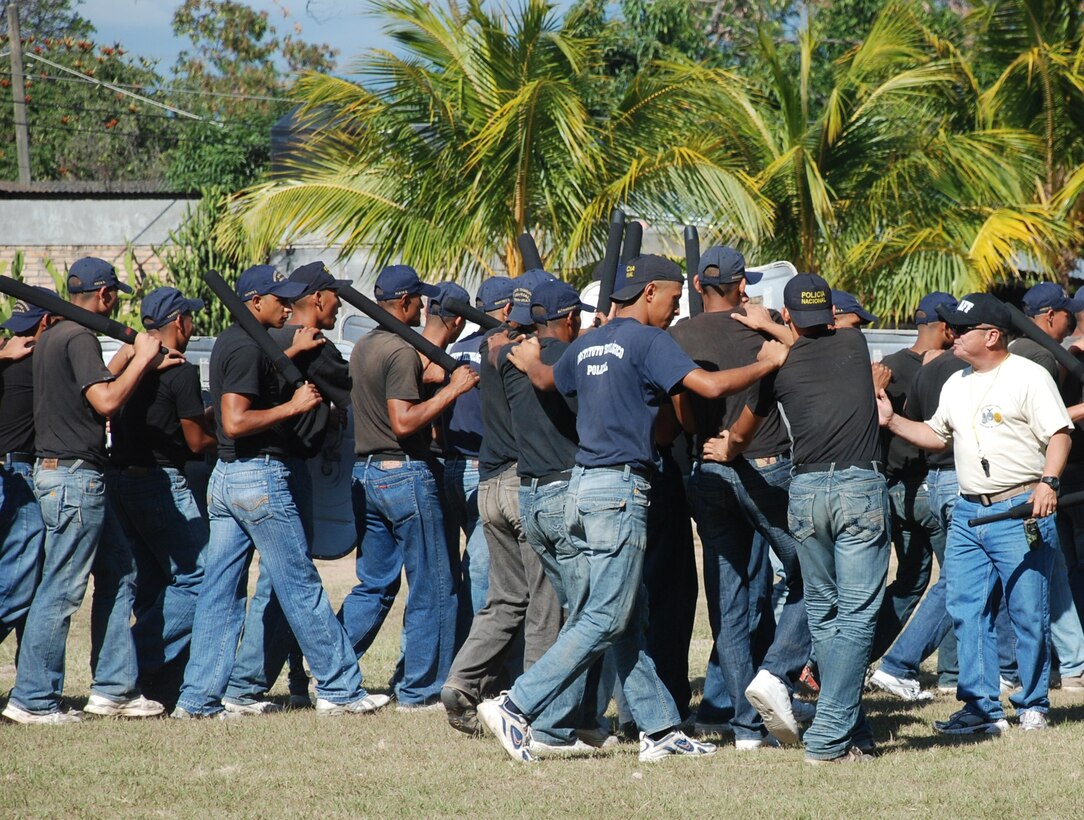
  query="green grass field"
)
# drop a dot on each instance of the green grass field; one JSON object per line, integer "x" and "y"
{"x": 394, "y": 764}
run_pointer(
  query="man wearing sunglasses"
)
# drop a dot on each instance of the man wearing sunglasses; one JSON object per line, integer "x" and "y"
{"x": 1010, "y": 433}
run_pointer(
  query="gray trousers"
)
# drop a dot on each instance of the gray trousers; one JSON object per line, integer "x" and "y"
{"x": 520, "y": 596}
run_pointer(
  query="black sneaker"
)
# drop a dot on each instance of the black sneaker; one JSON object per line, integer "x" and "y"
{"x": 462, "y": 711}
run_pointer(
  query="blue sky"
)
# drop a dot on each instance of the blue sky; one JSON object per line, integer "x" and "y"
{"x": 143, "y": 26}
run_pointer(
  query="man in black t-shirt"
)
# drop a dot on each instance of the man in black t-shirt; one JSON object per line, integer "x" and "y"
{"x": 21, "y": 529}
{"x": 267, "y": 642}
{"x": 397, "y": 504}
{"x": 917, "y": 532}
{"x": 734, "y": 502}
{"x": 160, "y": 429}
{"x": 524, "y": 583}
{"x": 74, "y": 394}
{"x": 251, "y": 507}
{"x": 838, "y": 509}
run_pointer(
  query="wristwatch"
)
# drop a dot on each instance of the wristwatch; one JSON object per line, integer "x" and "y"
{"x": 1051, "y": 481}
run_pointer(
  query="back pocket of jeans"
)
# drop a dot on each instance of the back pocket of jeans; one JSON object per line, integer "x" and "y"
{"x": 800, "y": 515}
{"x": 863, "y": 514}
{"x": 252, "y": 504}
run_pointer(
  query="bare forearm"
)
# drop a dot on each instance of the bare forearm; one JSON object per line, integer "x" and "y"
{"x": 725, "y": 382}
{"x": 107, "y": 398}
{"x": 407, "y": 419}
{"x": 249, "y": 422}
{"x": 1057, "y": 453}
{"x": 918, "y": 433}
{"x": 541, "y": 376}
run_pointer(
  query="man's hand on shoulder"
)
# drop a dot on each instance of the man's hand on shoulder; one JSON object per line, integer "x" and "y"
{"x": 526, "y": 353}
{"x": 17, "y": 347}
{"x": 774, "y": 353}
{"x": 462, "y": 379}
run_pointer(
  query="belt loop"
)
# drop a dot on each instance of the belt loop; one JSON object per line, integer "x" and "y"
{"x": 626, "y": 472}
{"x": 534, "y": 485}
{"x": 368, "y": 461}
{"x": 75, "y": 465}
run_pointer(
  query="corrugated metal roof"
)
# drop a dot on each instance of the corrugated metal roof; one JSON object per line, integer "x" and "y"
{"x": 92, "y": 189}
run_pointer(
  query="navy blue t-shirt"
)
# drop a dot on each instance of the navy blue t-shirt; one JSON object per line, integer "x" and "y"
{"x": 620, "y": 374}
{"x": 462, "y": 422}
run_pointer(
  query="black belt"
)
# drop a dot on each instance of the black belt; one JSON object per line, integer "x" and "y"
{"x": 19, "y": 458}
{"x": 836, "y": 466}
{"x": 647, "y": 475}
{"x": 548, "y": 478}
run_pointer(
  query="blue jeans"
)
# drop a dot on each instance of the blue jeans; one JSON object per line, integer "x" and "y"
{"x": 167, "y": 534}
{"x": 976, "y": 559}
{"x": 917, "y": 535}
{"x": 1066, "y": 634}
{"x": 1071, "y": 532}
{"x": 606, "y": 518}
{"x": 732, "y": 504}
{"x": 930, "y": 629}
{"x": 461, "y": 508}
{"x": 22, "y": 534}
{"x": 542, "y": 511}
{"x": 251, "y": 507}
{"x": 81, "y": 537}
{"x": 840, "y": 518}
{"x": 266, "y": 640}
{"x": 400, "y": 524}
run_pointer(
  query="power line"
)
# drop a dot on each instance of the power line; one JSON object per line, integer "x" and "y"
{"x": 178, "y": 111}
{"x": 168, "y": 89}
{"x": 111, "y": 132}
{"x": 149, "y": 115}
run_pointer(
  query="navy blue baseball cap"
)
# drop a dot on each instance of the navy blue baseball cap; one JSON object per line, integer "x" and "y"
{"x": 448, "y": 290}
{"x": 400, "y": 280}
{"x": 637, "y": 273}
{"x": 1049, "y": 296}
{"x": 555, "y": 300}
{"x": 162, "y": 305}
{"x": 495, "y": 293}
{"x": 315, "y": 277}
{"x": 261, "y": 280}
{"x": 25, "y": 316}
{"x": 808, "y": 299}
{"x": 91, "y": 273}
{"x": 977, "y": 309}
{"x": 844, "y": 302}
{"x": 522, "y": 288}
{"x": 928, "y": 305}
{"x": 730, "y": 267}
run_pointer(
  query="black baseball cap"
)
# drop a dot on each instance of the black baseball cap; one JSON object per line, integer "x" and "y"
{"x": 637, "y": 273}
{"x": 808, "y": 299}
{"x": 315, "y": 277}
{"x": 91, "y": 273}
{"x": 25, "y": 316}
{"x": 977, "y": 309}
{"x": 162, "y": 305}
{"x": 730, "y": 265}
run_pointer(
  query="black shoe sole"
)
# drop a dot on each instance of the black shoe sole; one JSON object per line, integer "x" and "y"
{"x": 462, "y": 711}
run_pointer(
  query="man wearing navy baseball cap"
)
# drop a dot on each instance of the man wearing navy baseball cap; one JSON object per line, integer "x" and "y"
{"x": 838, "y": 510}
{"x": 398, "y": 506}
{"x": 74, "y": 394}
{"x": 22, "y": 531}
{"x": 1054, "y": 313}
{"x": 917, "y": 530}
{"x": 266, "y": 641}
{"x": 159, "y": 430}
{"x": 721, "y": 266}
{"x": 252, "y": 503}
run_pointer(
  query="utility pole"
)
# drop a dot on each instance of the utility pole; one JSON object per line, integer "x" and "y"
{"x": 22, "y": 134}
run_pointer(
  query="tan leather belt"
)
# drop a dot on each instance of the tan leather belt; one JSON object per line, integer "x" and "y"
{"x": 1004, "y": 495}
{"x": 768, "y": 461}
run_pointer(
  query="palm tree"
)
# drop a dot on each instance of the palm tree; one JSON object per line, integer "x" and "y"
{"x": 477, "y": 130}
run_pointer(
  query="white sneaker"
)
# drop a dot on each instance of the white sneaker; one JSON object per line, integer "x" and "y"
{"x": 424, "y": 706}
{"x": 752, "y": 744}
{"x": 769, "y": 696}
{"x": 361, "y": 706}
{"x": 804, "y": 711}
{"x": 134, "y": 707}
{"x": 1032, "y": 720}
{"x": 180, "y": 713}
{"x": 17, "y": 714}
{"x": 576, "y": 749}
{"x": 903, "y": 688}
{"x": 255, "y": 707}
{"x": 1008, "y": 686}
{"x": 673, "y": 744}
{"x": 510, "y": 728}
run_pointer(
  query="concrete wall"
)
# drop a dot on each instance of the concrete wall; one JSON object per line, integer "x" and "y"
{"x": 62, "y": 229}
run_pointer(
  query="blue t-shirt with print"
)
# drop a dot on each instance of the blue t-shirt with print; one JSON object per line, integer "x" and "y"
{"x": 620, "y": 374}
